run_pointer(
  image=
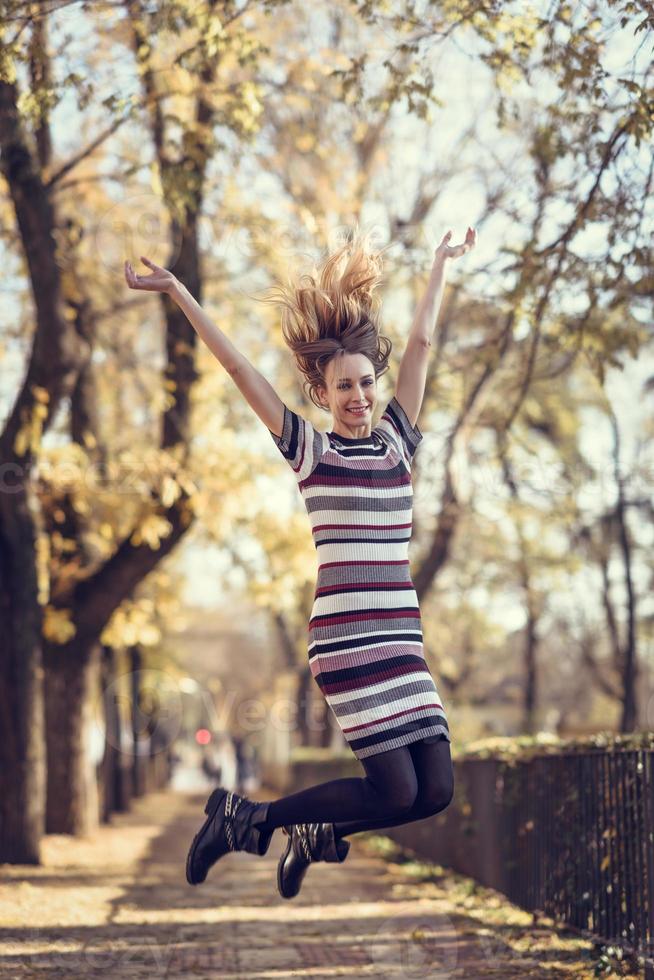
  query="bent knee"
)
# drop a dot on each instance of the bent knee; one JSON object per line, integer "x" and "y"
{"x": 403, "y": 801}
{"x": 400, "y": 801}
{"x": 436, "y": 800}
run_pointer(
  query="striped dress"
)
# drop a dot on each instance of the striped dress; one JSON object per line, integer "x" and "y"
{"x": 365, "y": 637}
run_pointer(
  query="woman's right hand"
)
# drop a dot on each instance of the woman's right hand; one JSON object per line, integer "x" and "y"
{"x": 160, "y": 280}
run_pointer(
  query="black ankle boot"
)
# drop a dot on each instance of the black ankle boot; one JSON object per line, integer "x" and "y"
{"x": 307, "y": 842}
{"x": 230, "y": 826}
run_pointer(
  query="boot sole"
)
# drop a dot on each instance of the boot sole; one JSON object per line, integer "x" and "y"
{"x": 281, "y": 865}
{"x": 211, "y": 806}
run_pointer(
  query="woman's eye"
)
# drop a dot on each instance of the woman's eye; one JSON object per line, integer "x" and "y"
{"x": 344, "y": 387}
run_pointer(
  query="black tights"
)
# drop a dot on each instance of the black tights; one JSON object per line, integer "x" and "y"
{"x": 400, "y": 785}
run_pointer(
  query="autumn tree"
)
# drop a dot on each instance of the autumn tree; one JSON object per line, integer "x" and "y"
{"x": 85, "y": 595}
{"x": 55, "y": 360}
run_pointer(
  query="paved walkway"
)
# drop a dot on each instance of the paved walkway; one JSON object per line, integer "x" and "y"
{"x": 117, "y": 905}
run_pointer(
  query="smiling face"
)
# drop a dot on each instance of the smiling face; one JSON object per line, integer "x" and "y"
{"x": 350, "y": 394}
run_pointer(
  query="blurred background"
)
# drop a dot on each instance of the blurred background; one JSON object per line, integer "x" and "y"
{"x": 156, "y": 563}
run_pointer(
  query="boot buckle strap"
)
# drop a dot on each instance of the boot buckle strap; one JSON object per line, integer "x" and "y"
{"x": 304, "y": 843}
{"x": 229, "y": 817}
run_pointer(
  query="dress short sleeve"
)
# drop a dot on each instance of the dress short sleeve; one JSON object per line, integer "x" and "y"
{"x": 395, "y": 424}
{"x": 300, "y": 443}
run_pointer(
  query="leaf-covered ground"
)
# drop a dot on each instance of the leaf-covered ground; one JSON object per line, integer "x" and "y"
{"x": 117, "y": 905}
{"x": 516, "y": 943}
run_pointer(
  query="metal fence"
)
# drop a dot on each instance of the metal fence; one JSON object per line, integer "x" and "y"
{"x": 570, "y": 834}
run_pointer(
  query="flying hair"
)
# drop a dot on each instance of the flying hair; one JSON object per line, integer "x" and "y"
{"x": 334, "y": 310}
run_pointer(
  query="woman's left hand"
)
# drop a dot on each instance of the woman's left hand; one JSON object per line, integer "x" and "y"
{"x": 447, "y": 251}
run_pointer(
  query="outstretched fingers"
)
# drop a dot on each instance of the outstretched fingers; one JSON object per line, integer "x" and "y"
{"x": 448, "y": 251}
{"x": 130, "y": 275}
{"x": 136, "y": 281}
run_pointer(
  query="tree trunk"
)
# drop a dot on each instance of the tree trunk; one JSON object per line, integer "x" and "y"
{"x": 139, "y": 760}
{"x": 72, "y": 799}
{"x": 629, "y": 718}
{"x": 54, "y": 360}
{"x": 531, "y": 676}
{"x": 304, "y": 701}
{"x": 115, "y": 795}
{"x": 532, "y": 604}
{"x": 22, "y": 755}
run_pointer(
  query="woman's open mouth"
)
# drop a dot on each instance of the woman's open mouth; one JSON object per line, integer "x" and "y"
{"x": 358, "y": 411}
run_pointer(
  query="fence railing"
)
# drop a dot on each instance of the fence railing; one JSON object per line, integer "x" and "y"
{"x": 567, "y": 830}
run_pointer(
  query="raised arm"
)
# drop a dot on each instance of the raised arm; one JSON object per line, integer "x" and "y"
{"x": 258, "y": 392}
{"x": 412, "y": 375}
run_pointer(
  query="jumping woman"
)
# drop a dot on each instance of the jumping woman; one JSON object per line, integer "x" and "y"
{"x": 364, "y": 638}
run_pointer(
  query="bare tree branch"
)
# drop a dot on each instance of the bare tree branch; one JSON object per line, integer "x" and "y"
{"x": 85, "y": 152}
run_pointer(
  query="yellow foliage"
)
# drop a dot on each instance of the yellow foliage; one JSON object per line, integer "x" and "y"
{"x": 305, "y": 142}
{"x": 308, "y": 219}
{"x": 63, "y": 545}
{"x": 155, "y": 180}
{"x": 22, "y": 441}
{"x": 98, "y": 543}
{"x": 360, "y": 131}
{"x": 7, "y": 64}
{"x": 131, "y": 624}
{"x": 29, "y": 433}
{"x": 40, "y": 394}
{"x": 42, "y": 568}
{"x": 151, "y": 531}
{"x": 170, "y": 491}
{"x": 298, "y": 101}
{"x": 247, "y": 113}
{"x": 58, "y": 626}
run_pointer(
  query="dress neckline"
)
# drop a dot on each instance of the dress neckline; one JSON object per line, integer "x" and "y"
{"x": 350, "y": 439}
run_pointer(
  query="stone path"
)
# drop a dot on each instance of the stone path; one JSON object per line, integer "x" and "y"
{"x": 117, "y": 905}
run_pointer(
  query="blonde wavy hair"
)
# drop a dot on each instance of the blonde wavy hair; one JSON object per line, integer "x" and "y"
{"x": 334, "y": 311}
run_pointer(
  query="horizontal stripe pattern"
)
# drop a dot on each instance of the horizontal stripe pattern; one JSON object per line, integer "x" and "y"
{"x": 365, "y": 640}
